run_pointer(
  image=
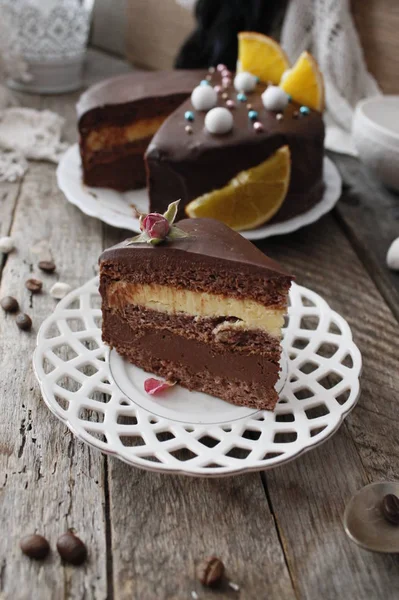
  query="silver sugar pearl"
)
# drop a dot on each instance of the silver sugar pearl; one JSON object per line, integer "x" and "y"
{"x": 225, "y": 96}
{"x": 279, "y": 117}
{"x": 188, "y": 129}
{"x": 208, "y": 77}
{"x": 211, "y": 69}
{"x": 249, "y": 106}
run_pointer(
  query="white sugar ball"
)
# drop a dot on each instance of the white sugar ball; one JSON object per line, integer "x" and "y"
{"x": 219, "y": 121}
{"x": 6, "y": 245}
{"x": 274, "y": 98}
{"x": 245, "y": 82}
{"x": 393, "y": 255}
{"x": 60, "y": 290}
{"x": 204, "y": 97}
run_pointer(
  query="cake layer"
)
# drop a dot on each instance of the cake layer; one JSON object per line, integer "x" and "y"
{"x": 120, "y": 169}
{"x": 212, "y": 259}
{"x": 219, "y": 333}
{"x": 186, "y": 166}
{"x": 162, "y": 298}
{"x": 236, "y": 378}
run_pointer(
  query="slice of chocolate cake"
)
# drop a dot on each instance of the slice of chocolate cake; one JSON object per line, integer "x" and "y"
{"x": 205, "y": 311}
{"x": 117, "y": 119}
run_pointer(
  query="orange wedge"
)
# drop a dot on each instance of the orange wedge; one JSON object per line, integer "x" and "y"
{"x": 262, "y": 56}
{"x": 304, "y": 82}
{"x": 251, "y": 198}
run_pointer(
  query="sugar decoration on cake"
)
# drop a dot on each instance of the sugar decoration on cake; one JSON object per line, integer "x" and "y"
{"x": 219, "y": 121}
{"x": 275, "y": 99}
{"x": 245, "y": 82}
{"x": 204, "y": 97}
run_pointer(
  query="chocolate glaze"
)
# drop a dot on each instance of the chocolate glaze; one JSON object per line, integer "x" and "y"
{"x": 123, "y": 98}
{"x": 186, "y": 166}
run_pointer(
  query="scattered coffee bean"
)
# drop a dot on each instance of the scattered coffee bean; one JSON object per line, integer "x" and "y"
{"x": 35, "y": 546}
{"x": 71, "y": 548}
{"x": 210, "y": 571}
{"x": 9, "y": 304}
{"x": 6, "y": 245}
{"x": 23, "y": 321}
{"x": 48, "y": 266}
{"x": 34, "y": 285}
{"x": 390, "y": 508}
{"x": 60, "y": 290}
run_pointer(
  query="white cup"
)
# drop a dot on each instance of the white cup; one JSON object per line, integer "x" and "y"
{"x": 51, "y": 37}
{"x": 376, "y": 137}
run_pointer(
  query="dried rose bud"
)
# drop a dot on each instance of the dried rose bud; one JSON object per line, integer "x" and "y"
{"x": 155, "y": 226}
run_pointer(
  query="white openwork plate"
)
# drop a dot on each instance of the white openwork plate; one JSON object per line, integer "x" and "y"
{"x": 118, "y": 208}
{"x": 100, "y": 397}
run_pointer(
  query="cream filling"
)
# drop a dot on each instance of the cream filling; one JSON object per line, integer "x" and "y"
{"x": 162, "y": 298}
{"x": 112, "y": 135}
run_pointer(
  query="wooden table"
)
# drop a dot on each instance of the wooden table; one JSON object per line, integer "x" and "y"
{"x": 279, "y": 533}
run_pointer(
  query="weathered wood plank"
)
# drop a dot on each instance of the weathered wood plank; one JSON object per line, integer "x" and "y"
{"x": 369, "y": 212}
{"x": 162, "y": 525}
{"x": 309, "y": 495}
{"x": 49, "y": 480}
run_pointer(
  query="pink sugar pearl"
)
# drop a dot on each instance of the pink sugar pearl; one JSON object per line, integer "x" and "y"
{"x": 258, "y": 126}
{"x": 226, "y": 73}
{"x": 221, "y": 67}
{"x": 226, "y": 81}
{"x": 230, "y": 104}
{"x": 218, "y": 89}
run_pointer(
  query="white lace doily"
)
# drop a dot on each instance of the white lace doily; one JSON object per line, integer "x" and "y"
{"x": 101, "y": 398}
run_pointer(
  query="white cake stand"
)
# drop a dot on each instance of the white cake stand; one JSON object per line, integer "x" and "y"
{"x": 118, "y": 208}
{"x": 101, "y": 397}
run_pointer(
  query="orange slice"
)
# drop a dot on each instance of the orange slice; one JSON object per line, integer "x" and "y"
{"x": 262, "y": 56}
{"x": 304, "y": 82}
{"x": 251, "y": 198}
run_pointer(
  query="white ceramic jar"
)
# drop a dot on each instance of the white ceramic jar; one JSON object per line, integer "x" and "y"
{"x": 376, "y": 137}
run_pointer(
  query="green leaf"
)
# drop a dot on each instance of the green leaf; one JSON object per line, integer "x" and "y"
{"x": 138, "y": 239}
{"x": 170, "y": 214}
{"x": 177, "y": 234}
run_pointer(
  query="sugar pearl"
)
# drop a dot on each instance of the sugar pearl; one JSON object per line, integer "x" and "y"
{"x": 226, "y": 73}
{"x": 279, "y": 117}
{"x": 274, "y": 98}
{"x": 211, "y": 69}
{"x": 60, "y": 290}
{"x": 225, "y": 95}
{"x": 249, "y": 106}
{"x": 221, "y": 67}
{"x": 218, "y": 89}
{"x": 208, "y": 77}
{"x": 204, "y": 97}
{"x": 304, "y": 110}
{"x": 241, "y": 97}
{"x": 189, "y": 115}
{"x": 188, "y": 129}
{"x": 244, "y": 82}
{"x": 258, "y": 127}
{"x": 230, "y": 104}
{"x": 219, "y": 121}
{"x": 226, "y": 81}
{"x": 6, "y": 245}
{"x": 204, "y": 82}
{"x": 253, "y": 115}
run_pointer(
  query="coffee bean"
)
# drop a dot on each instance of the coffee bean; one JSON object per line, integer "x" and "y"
{"x": 34, "y": 285}
{"x": 23, "y": 321}
{"x": 48, "y": 266}
{"x": 35, "y": 546}
{"x": 71, "y": 548}
{"x": 210, "y": 571}
{"x": 390, "y": 508}
{"x": 9, "y": 304}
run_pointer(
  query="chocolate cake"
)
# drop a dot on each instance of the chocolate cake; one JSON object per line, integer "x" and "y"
{"x": 204, "y": 311}
{"x": 117, "y": 119}
{"x": 187, "y": 165}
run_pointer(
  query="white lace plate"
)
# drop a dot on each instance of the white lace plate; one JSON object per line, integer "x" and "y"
{"x": 100, "y": 396}
{"x": 118, "y": 208}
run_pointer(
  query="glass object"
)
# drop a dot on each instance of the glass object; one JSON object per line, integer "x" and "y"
{"x": 51, "y": 37}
